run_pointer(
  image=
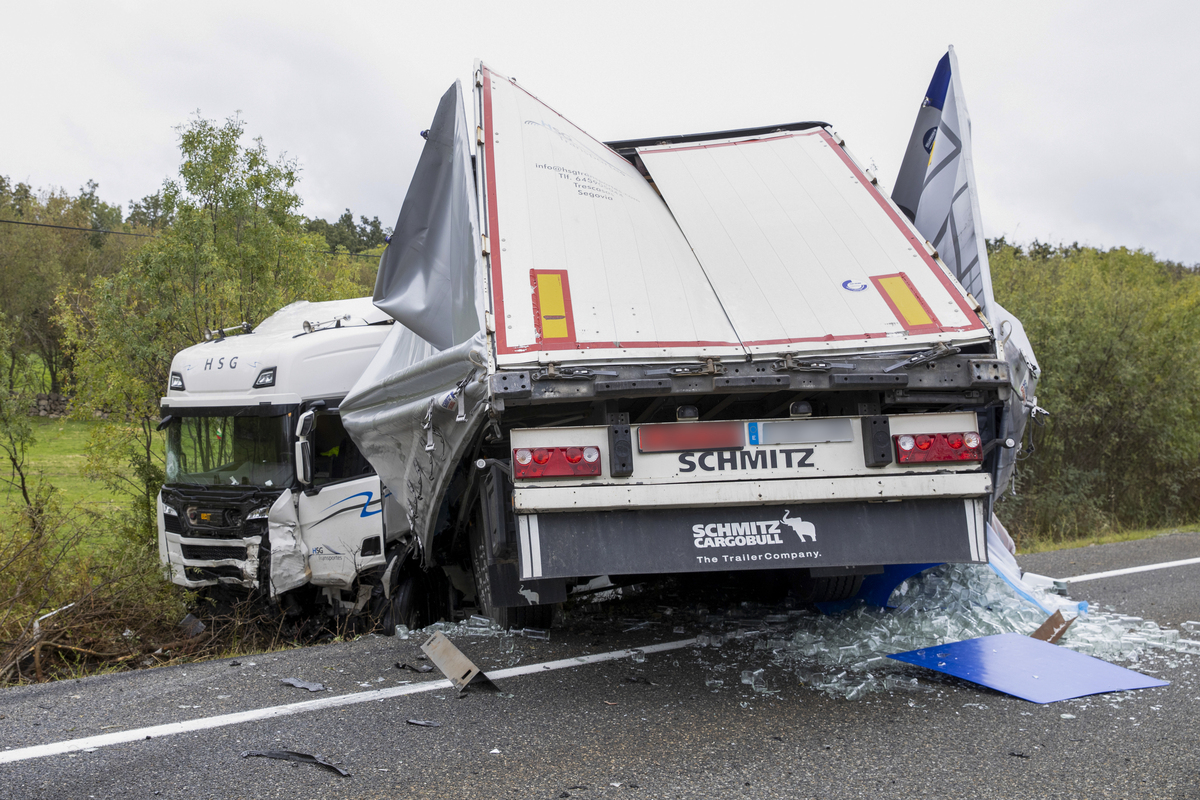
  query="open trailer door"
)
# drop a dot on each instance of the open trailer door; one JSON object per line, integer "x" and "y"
{"x": 803, "y": 251}
{"x": 587, "y": 262}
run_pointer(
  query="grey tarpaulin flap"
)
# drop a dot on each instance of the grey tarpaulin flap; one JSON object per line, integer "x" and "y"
{"x": 427, "y": 275}
{"x": 454, "y": 665}
{"x": 389, "y": 415}
{"x": 291, "y": 755}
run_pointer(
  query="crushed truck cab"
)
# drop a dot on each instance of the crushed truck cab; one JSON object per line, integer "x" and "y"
{"x": 710, "y": 352}
{"x": 265, "y": 491}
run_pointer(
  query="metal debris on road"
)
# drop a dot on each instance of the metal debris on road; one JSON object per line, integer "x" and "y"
{"x": 424, "y": 723}
{"x": 299, "y": 684}
{"x": 303, "y": 758}
{"x": 418, "y": 668}
{"x": 454, "y": 665}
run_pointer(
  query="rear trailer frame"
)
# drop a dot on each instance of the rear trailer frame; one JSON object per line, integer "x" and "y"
{"x": 815, "y": 535}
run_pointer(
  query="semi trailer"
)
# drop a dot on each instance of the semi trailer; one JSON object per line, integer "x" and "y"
{"x": 685, "y": 354}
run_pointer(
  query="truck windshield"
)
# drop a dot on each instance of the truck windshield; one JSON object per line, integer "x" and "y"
{"x": 229, "y": 451}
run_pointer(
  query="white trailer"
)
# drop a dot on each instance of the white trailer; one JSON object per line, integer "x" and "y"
{"x": 264, "y": 488}
{"x": 684, "y": 354}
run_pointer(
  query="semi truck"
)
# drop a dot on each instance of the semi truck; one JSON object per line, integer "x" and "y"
{"x": 686, "y": 354}
{"x": 265, "y": 492}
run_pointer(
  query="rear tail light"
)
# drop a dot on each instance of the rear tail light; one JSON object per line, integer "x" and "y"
{"x": 925, "y": 448}
{"x": 556, "y": 462}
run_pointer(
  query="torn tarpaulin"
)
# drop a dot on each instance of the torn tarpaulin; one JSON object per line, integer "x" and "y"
{"x": 291, "y": 755}
{"x": 299, "y": 684}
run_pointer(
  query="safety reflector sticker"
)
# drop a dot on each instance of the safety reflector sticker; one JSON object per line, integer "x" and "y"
{"x": 906, "y": 302}
{"x": 552, "y": 305}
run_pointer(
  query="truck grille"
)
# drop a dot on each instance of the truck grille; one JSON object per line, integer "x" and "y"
{"x": 171, "y": 524}
{"x": 198, "y": 552}
{"x": 208, "y": 573}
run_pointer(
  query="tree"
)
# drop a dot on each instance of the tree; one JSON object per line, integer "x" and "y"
{"x": 1117, "y": 333}
{"x": 344, "y": 235}
{"x": 36, "y": 263}
{"x": 234, "y": 251}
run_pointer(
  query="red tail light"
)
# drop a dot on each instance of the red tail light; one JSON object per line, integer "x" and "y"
{"x": 925, "y": 448}
{"x": 556, "y": 462}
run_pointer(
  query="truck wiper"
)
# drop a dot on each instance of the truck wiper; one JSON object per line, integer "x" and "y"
{"x": 939, "y": 350}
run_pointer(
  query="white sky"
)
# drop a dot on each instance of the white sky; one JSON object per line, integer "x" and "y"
{"x": 1085, "y": 115}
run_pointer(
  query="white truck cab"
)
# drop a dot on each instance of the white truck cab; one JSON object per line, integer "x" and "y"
{"x": 255, "y": 443}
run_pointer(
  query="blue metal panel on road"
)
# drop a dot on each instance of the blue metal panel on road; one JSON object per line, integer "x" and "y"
{"x": 1027, "y": 668}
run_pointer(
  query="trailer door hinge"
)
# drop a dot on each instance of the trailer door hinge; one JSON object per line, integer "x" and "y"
{"x": 479, "y": 135}
{"x": 486, "y": 247}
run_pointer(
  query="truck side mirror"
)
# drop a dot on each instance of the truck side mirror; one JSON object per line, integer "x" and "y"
{"x": 304, "y": 427}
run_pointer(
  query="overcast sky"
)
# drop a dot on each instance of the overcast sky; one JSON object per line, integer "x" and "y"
{"x": 1085, "y": 115}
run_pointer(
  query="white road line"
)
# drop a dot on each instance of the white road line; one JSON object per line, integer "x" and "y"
{"x": 335, "y": 701}
{"x": 1112, "y": 573}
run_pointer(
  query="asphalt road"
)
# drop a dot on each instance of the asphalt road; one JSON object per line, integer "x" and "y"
{"x": 627, "y": 729}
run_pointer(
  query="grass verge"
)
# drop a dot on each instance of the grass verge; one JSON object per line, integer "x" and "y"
{"x": 1108, "y": 537}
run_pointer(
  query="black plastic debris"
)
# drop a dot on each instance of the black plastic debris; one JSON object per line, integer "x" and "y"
{"x": 299, "y": 684}
{"x": 303, "y": 758}
{"x": 235, "y": 663}
{"x": 424, "y": 723}
{"x": 418, "y": 668}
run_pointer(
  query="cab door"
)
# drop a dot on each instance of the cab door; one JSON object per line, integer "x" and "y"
{"x": 341, "y": 511}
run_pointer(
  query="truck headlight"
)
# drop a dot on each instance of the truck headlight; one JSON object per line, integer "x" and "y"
{"x": 265, "y": 378}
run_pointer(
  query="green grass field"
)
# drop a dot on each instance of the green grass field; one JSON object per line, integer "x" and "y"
{"x": 58, "y": 457}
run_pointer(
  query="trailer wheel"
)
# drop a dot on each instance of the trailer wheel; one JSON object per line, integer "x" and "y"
{"x": 826, "y": 589}
{"x": 506, "y": 617}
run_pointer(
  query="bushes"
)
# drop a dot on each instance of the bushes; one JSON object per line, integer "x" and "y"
{"x": 1117, "y": 335}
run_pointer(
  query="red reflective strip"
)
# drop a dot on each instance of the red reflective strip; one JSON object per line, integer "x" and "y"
{"x": 557, "y": 466}
{"x": 677, "y": 436}
{"x": 939, "y": 450}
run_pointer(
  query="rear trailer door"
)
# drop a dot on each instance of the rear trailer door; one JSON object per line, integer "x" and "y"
{"x": 802, "y": 249}
{"x": 771, "y": 494}
{"x": 586, "y": 261}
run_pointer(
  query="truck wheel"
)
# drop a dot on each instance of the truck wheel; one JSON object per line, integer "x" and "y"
{"x": 402, "y": 608}
{"x": 825, "y": 590}
{"x": 505, "y": 616}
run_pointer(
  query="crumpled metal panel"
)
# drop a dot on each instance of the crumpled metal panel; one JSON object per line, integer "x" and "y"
{"x": 397, "y": 414}
{"x": 289, "y": 556}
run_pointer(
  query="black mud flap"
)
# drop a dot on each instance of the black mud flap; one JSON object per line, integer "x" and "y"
{"x": 508, "y": 588}
{"x": 563, "y": 545}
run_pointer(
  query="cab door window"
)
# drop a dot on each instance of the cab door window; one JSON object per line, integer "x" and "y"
{"x": 335, "y": 456}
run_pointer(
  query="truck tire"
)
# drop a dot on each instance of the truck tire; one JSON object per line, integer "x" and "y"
{"x": 402, "y": 607}
{"x": 826, "y": 589}
{"x": 507, "y": 617}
